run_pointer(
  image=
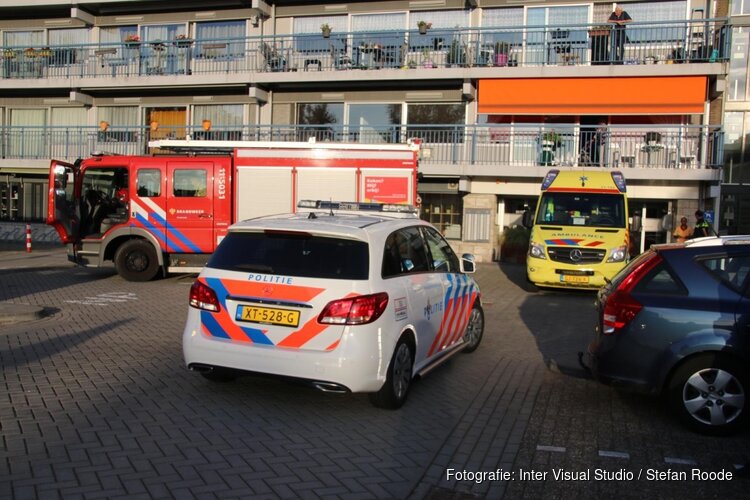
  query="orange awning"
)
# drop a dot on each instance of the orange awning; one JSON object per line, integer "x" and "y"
{"x": 593, "y": 96}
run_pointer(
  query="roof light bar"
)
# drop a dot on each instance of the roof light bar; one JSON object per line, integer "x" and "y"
{"x": 619, "y": 181}
{"x": 549, "y": 179}
{"x": 357, "y": 206}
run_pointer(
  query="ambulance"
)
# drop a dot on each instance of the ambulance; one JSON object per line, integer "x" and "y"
{"x": 579, "y": 234}
{"x": 167, "y": 212}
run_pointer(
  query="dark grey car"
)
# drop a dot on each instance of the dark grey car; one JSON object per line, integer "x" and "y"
{"x": 676, "y": 322}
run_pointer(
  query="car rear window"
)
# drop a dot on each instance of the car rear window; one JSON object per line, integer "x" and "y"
{"x": 292, "y": 254}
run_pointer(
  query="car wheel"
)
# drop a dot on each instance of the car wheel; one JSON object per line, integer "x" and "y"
{"x": 708, "y": 394}
{"x": 474, "y": 330}
{"x": 136, "y": 260}
{"x": 220, "y": 375}
{"x": 396, "y": 387}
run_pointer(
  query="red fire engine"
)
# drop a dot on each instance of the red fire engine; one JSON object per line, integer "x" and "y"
{"x": 167, "y": 212}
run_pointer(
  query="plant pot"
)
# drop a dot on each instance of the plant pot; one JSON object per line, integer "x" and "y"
{"x": 326, "y": 33}
{"x": 422, "y": 30}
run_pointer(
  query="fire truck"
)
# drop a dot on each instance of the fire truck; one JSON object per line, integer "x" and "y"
{"x": 166, "y": 212}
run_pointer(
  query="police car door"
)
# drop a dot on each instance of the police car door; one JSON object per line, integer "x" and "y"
{"x": 416, "y": 292}
{"x": 459, "y": 292}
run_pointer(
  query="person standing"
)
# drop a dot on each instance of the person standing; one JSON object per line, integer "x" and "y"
{"x": 702, "y": 228}
{"x": 683, "y": 232}
{"x": 619, "y": 18}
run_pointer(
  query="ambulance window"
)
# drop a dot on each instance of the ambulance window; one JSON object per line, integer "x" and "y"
{"x": 149, "y": 182}
{"x": 190, "y": 183}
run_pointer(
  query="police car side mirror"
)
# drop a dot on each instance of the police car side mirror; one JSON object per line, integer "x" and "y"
{"x": 468, "y": 265}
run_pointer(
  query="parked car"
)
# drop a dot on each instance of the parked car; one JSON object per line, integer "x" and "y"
{"x": 344, "y": 296}
{"x": 676, "y": 322}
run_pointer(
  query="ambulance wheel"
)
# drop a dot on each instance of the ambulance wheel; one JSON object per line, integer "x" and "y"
{"x": 396, "y": 387}
{"x": 474, "y": 330}
{"x": 136, "y": 260}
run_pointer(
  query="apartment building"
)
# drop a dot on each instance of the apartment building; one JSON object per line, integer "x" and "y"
{"x": 499, "y": 92}
{"x": 735, "y": 188}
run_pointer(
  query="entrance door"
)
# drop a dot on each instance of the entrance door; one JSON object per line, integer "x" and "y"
{"x": 190, "y": 219}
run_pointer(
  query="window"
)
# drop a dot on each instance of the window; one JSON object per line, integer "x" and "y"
{"x": 733, "y": 270}
{"x": 375, "y": 123}
{"x": 433, "y": 122}
{"x": 660, "y": 281}
{"x": 384, "y": 30}
{"x": 443, "y": 258}
{"x": 445, "y": 30}
{"x": 582, "y": 209}
{"x": 738, "y": 74}
{"x": 315, "y": 43}
{"x": 404, "y": 253}
{"x": 190, "y": 183}
{"x": 208, "y": 36}
{"x": 148, "y": 183}
{"x": 443, "y": 211}
{"x": 291, "y": 254}
{"x": 324, "y": 121}
{"x": 740, "y": 7}
{"x": 507, "y": 22}
{"x": 218, "y": 122}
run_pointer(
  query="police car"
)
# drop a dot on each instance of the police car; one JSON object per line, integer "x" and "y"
{"x": 348, "y": 297}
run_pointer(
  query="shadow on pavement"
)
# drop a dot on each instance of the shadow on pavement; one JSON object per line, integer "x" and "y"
{"x": 561, "y": 321}
{"x": 30, "y": 353}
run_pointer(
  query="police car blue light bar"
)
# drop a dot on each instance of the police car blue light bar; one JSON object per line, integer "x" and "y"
{"x": 357, "y": 206}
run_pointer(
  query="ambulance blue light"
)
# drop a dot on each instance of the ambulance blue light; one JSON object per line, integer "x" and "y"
{"x": 549, "y": 179}
{"x": 619, "y": 181}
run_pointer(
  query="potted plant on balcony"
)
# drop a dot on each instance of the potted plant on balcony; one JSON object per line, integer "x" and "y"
{"x": 426, "y": 60}
{"x": 501, "y": 53}
{"x": 423, "y": 26}
{"x": 549, "y": 142}
{"x": 29, "y": 53}
{"x": 132, "y": 41}
{"x": 456, "y": 53}
{"x": 9, "y": 54}
{"x": 183, "y": 41}
{"x": 326, "y": 30}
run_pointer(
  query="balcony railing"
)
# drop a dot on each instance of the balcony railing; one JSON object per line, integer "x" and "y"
{"x": 526, "y": 46}
{"x": 620, "y": 146}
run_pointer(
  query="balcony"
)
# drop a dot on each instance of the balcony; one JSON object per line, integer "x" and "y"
{"x": 447, "y": 150}
{"x": 676, "y": 42}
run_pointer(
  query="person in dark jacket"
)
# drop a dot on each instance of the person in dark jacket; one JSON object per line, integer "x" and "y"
{"x": 702, "y": 228}
{"x": 619, "y": 18}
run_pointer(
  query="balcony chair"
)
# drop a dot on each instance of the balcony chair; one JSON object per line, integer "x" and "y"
{"x": 340, "y": 58}
{"x": 274, "y": 61}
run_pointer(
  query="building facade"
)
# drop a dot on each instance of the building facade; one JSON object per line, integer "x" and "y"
{"x": 499, "y": 92}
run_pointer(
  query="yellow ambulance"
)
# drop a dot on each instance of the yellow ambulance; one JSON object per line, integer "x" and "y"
{"x": 580, "y": 235}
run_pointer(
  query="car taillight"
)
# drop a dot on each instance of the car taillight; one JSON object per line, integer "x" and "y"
{"x": 355, "y": 310}
{"x": 621, "y": 307}
{"x": 202, "y": 297}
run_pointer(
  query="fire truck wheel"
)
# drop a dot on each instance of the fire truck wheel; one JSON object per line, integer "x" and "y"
{"x": 136, "y": 260}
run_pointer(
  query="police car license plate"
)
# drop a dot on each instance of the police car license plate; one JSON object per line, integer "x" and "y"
{"x": 268, "y": 315}
{"x": 574, "y": 279}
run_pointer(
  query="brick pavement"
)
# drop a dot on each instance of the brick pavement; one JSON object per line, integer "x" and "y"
{"x": 96, "y": 403}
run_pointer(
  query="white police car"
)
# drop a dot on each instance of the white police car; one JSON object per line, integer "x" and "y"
{"x": 346, "y": 296}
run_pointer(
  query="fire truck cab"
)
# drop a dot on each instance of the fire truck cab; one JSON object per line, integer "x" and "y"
{"x": 167, "y": 213}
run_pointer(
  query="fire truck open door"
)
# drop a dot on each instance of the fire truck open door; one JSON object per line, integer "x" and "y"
{"x": 63, "y": 212}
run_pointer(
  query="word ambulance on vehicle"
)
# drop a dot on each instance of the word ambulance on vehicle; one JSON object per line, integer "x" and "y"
{"x": 168, "y": 212}
{"x": 580, "y": 235}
